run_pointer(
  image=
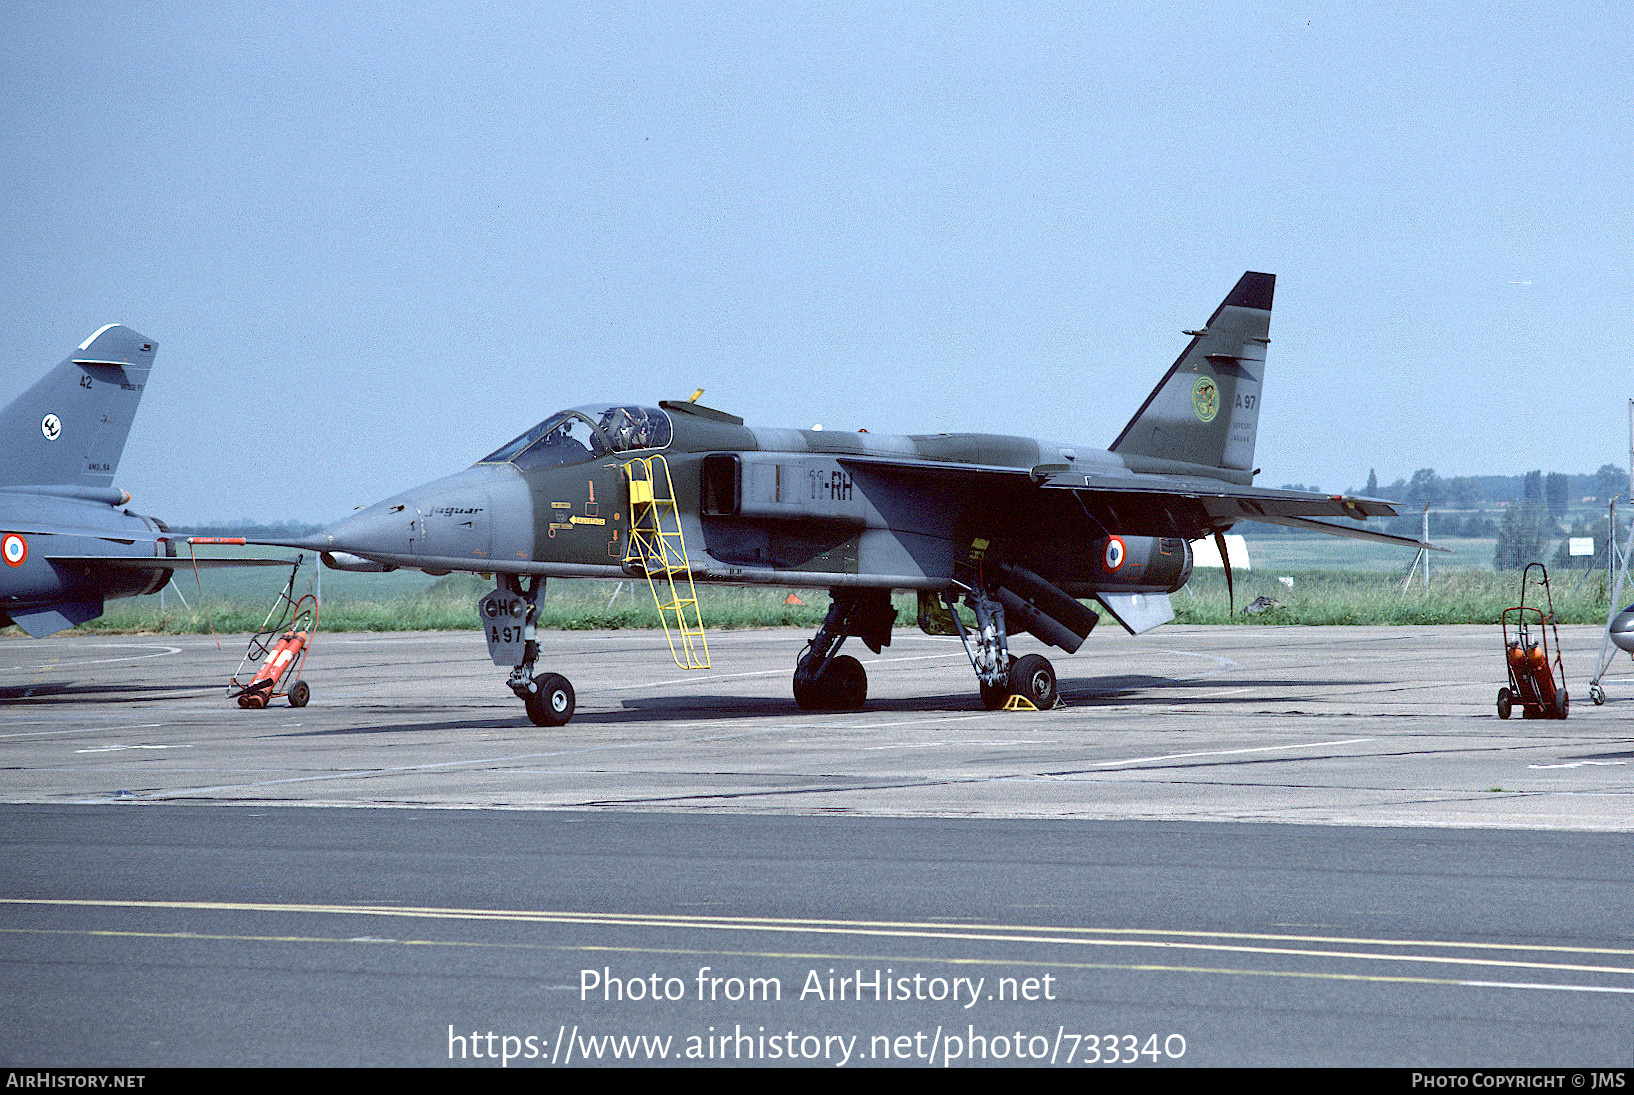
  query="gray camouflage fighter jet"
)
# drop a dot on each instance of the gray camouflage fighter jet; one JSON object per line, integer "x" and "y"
{"x": 66, "y": 539}
{"x": 1018, "y": 529}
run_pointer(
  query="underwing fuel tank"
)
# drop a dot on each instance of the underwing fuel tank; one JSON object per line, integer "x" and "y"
{"x": 1134, "y": 564}
{"x": 1127, "y": 573}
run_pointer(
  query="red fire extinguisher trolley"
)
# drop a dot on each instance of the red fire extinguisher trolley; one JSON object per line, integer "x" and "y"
{"x": 1537, "y": 681}
{"x": 278, "y": 652}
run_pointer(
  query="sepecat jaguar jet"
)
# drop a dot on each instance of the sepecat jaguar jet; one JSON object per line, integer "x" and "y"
{"x": 1017, "y": 529}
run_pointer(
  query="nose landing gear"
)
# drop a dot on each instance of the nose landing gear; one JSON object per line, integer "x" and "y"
{"x": 508, "y": 615}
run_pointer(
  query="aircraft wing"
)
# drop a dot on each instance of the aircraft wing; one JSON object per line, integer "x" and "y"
{"x": 1180, "y": 501}
{"x": 1351, "y": 532}
{"x": 173, "y": 562}
{"x": 1161, "y": 505}
{"x": 165, "y": 562}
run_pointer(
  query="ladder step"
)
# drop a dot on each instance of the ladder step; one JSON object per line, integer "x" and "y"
{"x": 658, "y": 547}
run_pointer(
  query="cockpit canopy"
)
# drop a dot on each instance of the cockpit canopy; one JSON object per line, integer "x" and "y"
{"x": 585, "y": 433}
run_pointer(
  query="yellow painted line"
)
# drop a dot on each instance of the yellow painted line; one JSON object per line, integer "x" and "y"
{"x": 823, "y": 956}
{"x": 1225, "y": 942}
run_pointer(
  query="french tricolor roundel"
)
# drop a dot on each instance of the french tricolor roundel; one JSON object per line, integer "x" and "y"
{"x": 1112, "y": 558}
{"x": 15, "y": 549}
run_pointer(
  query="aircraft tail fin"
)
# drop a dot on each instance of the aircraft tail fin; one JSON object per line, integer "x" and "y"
{"x": 69, "y": 429}
{"x": 1203, "y": 415}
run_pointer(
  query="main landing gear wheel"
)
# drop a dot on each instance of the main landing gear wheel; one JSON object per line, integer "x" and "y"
{"x": 825, "y": 679}
{"x": 1597, "y": 694}
{"x": 841, "y": 686}
{"x": 1032, "y": 677}
{"x": 846, "y": 682}
{"x": 551, "y": 703}
{"x": 995, "y": 695}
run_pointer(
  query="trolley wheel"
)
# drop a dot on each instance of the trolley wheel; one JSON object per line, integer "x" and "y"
{"x": 1033, "y": 677}
{"x": 1597, "y": 694}
{"x": 552, "y": 704}
{"x": 1563, "y": 704}
{"x": 1506, "y": 703}
{"x": 300, "y": 694}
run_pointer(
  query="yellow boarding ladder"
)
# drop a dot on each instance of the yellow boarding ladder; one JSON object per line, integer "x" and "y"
{"x": 658, "y": 548}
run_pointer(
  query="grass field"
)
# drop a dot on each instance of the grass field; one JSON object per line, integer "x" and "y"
{"x": 1360, "y": 597}
{"x": 1316, "y": 580}
{"x": 450, "y": 604}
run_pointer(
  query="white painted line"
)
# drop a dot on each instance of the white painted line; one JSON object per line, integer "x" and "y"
{"x": 58, "y": 664}
{"x": 116, "y": 748}
{"x": 86, "y": 730}
{"x": 1229, "y": 752}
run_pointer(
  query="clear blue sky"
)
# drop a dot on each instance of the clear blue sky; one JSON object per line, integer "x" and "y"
{"x": 374, "y": 241}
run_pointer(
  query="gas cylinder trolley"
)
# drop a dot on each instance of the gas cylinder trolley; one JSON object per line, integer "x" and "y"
{"x": 1537, "y": 683}
{"x": 278, "y": 652}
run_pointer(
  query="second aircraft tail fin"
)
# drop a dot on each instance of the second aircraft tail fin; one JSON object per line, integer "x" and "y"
{"x": 69, "y": 429}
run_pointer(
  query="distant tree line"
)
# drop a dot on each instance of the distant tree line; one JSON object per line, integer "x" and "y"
{"x": 1535, "y": 505}
{"x": 1556, "y": 490}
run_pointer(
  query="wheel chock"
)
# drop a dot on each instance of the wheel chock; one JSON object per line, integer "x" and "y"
{"x": 1022, "y": 703}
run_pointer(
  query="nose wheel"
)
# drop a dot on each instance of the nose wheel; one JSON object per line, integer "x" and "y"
{"x": 550, "y": 701}
{"x": 508, "y": 615}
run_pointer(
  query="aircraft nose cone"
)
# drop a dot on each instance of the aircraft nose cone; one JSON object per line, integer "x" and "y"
{"x": 1622, "y": 629}
{"x": 383, "y": 529}
{"x": 442, "y": 525}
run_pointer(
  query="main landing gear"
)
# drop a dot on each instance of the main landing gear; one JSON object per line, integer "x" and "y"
{"x": 825, "y": 680}
{"x": 508, "y": 615}
{"x": 1001, "y": 675}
